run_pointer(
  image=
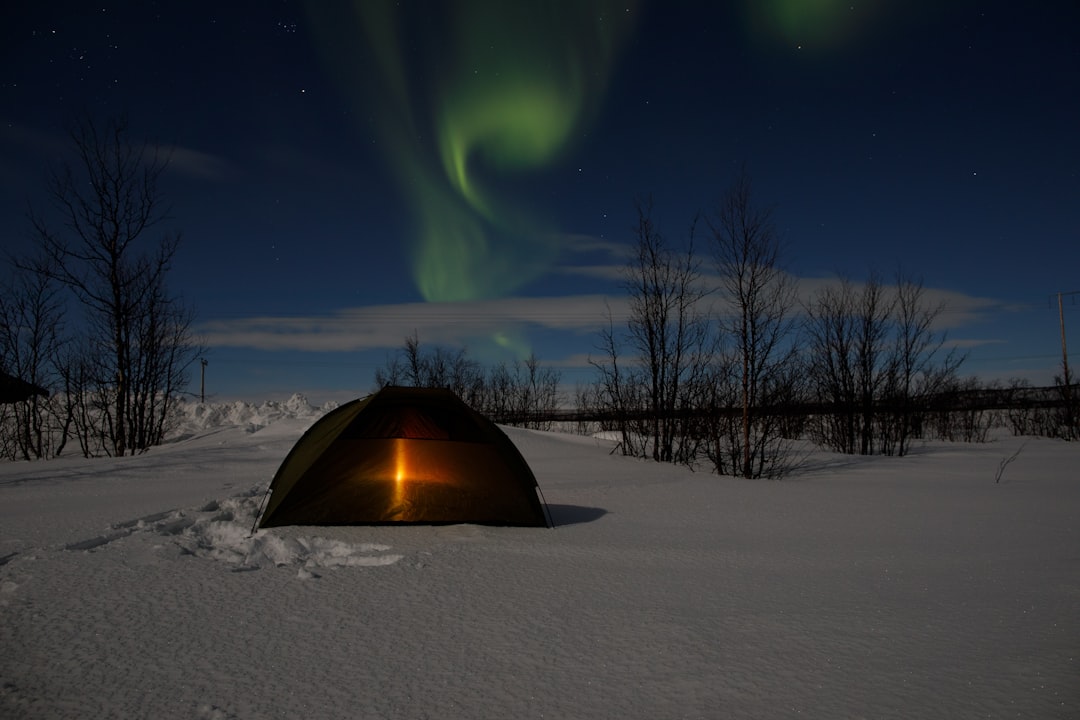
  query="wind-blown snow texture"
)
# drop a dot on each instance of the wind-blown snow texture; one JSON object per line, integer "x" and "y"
{"x": 909, "y": 587}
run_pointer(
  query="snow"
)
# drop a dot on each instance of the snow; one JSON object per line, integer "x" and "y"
{"x": 913, "y": 587}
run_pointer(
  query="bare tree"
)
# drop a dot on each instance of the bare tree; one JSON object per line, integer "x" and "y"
{"x": 392, "y": 373}
{"x": 917, "y": 369}
{"x": 720, "y": 403}
{"x": 617, "y": 392}
{"x": 666, "y": 333}
{"x": 872, "y": 363}
{"x": 164, "y": 352}
{"x": 848, "y": 332}
{"x": 537, "y": 396}
{"x": 757, "y": 318}
{"x": 107, "y": 204}
{"x": 830, "y": 333}
{"x": 77, "y": 365}
{"x": 959, "y": 411}
{"x": 1067, "y": 415}
{"x": 525, "y": 393}
{"x": 416, "y": 366}
{"x": 434, "y": 367}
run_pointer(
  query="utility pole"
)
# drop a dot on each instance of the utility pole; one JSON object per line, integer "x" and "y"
{"x": 202, "y": 380}
{"x": 1066, "y": 380}
{"x": 1064, "y": 347}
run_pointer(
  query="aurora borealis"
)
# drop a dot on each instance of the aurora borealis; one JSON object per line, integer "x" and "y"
{"x": 471, "y": 94}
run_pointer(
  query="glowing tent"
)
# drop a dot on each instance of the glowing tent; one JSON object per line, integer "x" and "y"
{"x": 404, "y": 455}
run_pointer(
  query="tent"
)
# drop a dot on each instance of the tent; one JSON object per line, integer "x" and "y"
{"x": 13, "y": 390}
{"x": 404, "y": 455}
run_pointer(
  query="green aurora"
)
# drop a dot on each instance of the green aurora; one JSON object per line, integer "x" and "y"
{"x": 471, "y": 96}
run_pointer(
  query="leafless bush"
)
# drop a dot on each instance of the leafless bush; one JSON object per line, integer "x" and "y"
{"x": 1005, "y": 462}
{"x": 959, "y": 413}
{"x": 523, "y": 393}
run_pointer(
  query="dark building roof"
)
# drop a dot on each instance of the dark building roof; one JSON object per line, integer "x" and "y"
{"x": 13, "y": 390}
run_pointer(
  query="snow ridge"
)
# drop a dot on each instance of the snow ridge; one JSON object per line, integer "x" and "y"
{"x": 192, "y": 417}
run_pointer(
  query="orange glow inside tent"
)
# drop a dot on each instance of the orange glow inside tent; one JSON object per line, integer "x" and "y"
{"x": 404, "y": 455}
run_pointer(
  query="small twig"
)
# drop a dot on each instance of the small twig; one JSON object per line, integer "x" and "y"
{"x": 1005, "y": 463}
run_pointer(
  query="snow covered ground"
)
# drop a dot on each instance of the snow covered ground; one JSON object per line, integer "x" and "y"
{"x": 909, "y": 587}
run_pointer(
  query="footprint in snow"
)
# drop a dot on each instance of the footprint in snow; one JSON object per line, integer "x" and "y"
{"x": 207, "y": 711}
{"x": 221, "y": 530}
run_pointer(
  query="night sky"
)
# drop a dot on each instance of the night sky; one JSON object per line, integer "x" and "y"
{"x": 345, "y": 174}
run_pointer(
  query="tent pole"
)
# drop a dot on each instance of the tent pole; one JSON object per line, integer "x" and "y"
{"x": 547, "y": 511}
{"x": 262, "y": 504}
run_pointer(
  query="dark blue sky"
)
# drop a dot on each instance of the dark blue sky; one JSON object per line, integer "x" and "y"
{"x": 937, "y": 135}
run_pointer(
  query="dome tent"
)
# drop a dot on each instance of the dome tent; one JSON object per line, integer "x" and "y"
{"x": 404, "y": 455}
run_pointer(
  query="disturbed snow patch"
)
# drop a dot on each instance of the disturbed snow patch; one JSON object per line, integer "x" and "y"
{"x": 222, "y": 531}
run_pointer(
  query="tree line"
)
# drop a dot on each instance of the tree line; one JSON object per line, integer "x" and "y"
{"x": 522, "y": 393}
{"x": 723, "y": 362}
{"x": 720, "y": 362}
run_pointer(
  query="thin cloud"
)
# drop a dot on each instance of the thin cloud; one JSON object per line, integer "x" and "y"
{"x": 581, "y": 243}
{"x": 199, "y": 165}
{"x": 967, "y": 344}
{"x": 602, "y": 272}
{"x": 577, "y": 360}
{"x": 385, "y": 326}
{"x": 612, "y": 265}
{"x": 957, "y": 309}
{"x": 458, "y": 323}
